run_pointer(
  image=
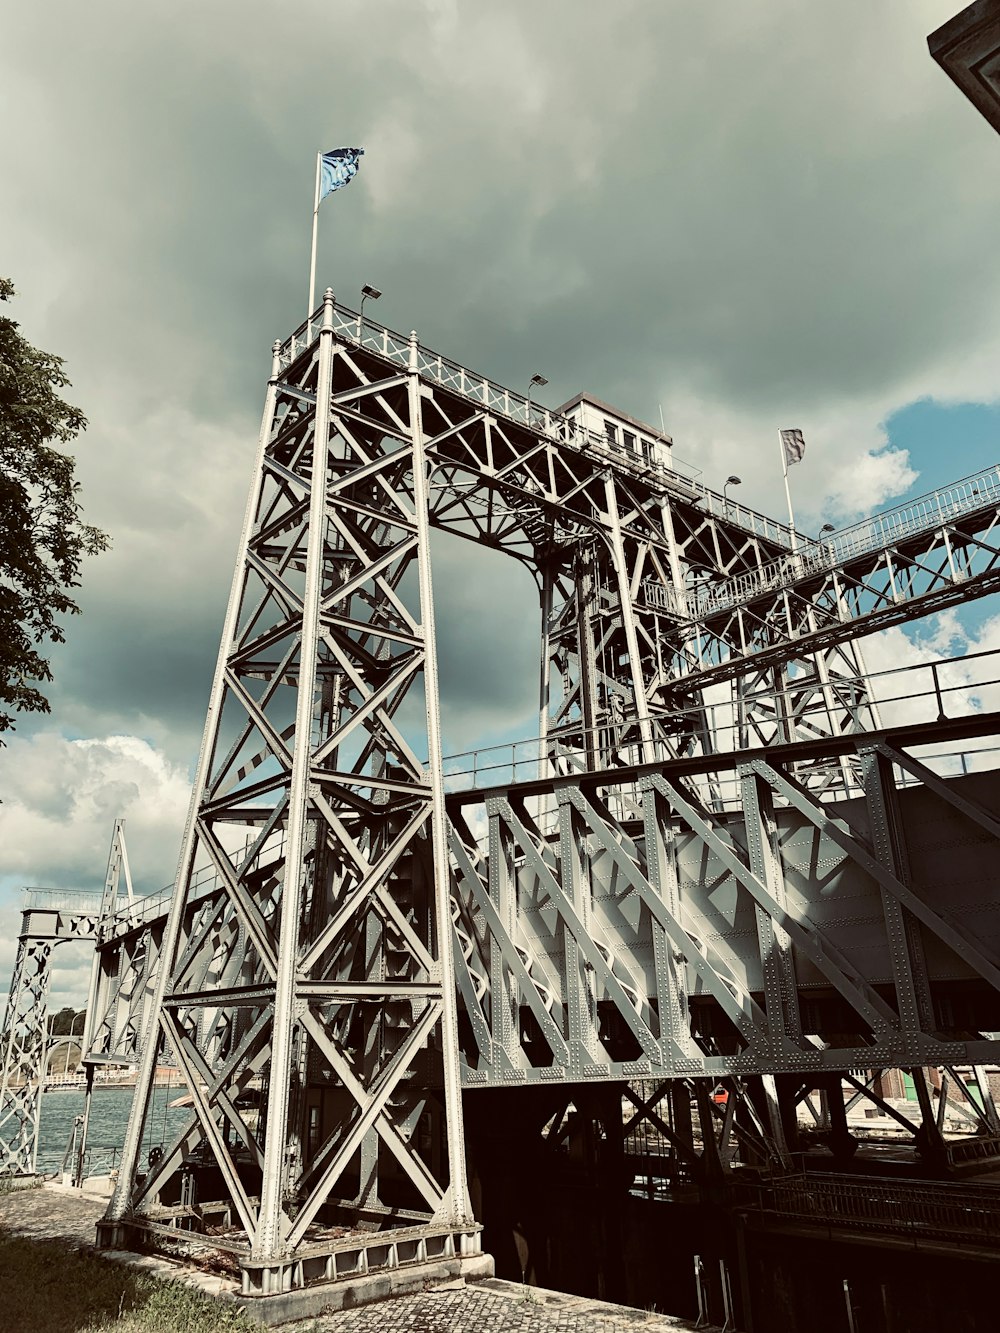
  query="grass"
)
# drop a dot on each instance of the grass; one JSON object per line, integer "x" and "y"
{"x": 9, "y": 1185}
{"x": 47, "y": 1288}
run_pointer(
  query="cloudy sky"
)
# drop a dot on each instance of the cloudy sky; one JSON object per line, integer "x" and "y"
{"x": 756, "y": 214}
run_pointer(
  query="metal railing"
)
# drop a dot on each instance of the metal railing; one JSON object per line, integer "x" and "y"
{"x": 907, "y": 695}
{"x": 204, "y": 881}
{"x": 916, "y": 1208}
{"x": 349, "y": 326}
{"x": 877, "y": 533}
{"x": 61, "y": 900}
{"x": 806, "y": 555}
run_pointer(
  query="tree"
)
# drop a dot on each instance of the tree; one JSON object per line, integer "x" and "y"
{"x": 42, "y": 538}
{"x": 66, "y": 1021}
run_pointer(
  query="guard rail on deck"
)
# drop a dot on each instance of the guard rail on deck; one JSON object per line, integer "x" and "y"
{"x": 79, "y": 901}
{"x": 394, "y": 347}
{"x": 869, "y": 535}
{"x": 900, "y": 1207}
{"x": 205, "y": 881}
{"x": 923, "y": 692}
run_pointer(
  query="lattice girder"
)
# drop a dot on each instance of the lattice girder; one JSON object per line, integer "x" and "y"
{"x": 321, "y": 948}
{"x": 807, "y": 603}
{"x": 602, "y": 921}
{"x": 50, "y": 919}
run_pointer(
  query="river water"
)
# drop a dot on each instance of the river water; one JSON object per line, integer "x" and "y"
{"x": 109, "y": 1110}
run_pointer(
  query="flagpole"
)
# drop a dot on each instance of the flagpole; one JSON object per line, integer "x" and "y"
{"x": 312, "y": 259}
{"x": 788, "y": 493}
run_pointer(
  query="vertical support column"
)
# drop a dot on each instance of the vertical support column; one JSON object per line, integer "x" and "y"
{"x": 586, "y": 594}
{"x": 714, "y": 1167}
{"x": 457, "y": 1199}
{"x": 25, "y": 1043}
{"x": 117, "y": 864}
{"x": 906, "y": 950}
{"x": 680, "y": 1112}
{"x": 673, "y": 556}
{"x": 627, "y": 609}
{"x": 110, "y": 1232}
{"x": 929, "y": 1139}
{"x": 503, "y": 1010}
{"x": 580, "y": 1000}
{"x": 545, "y": 669}
{"x": 272, "y": 1222}
{"x": 671, "y": 981}
{"x": 776, "y": 957}
{"x": 786, "y": 1087}
{"x": 842, "y": 1142}
{"x": 776, "y": 1124}
{"x": 7, "y": 1098}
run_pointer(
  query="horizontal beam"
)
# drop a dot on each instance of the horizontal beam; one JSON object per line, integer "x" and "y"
{"x": 823, "y": 747}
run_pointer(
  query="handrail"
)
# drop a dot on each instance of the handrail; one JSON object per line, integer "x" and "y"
{"x": 61, "y": 900}
{"x": 521, "y": 758}
{"x": 805, "y": 555}
{"x": 885, "y": 1204}
{"x": 879, "y": 532}
{"x": 496, "y": 398}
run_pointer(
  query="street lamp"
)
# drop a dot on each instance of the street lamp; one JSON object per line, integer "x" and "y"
{"x": 536, "y": 382}
{"x": 827, "y": 547}
{"x": 368, "y": 293}
{"x": 69, "y": 1040}
{"x": 732, "y": 480}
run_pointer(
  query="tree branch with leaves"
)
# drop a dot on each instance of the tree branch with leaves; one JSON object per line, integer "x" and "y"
{"x": 43, "y": 539}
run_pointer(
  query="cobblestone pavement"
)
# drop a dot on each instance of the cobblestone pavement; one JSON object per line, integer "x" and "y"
{"x": 52, "y": 1213}
{"x": 494, "y": 1306}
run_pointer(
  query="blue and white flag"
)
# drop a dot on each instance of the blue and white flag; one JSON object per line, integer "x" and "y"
{"x": 338, "y": 167}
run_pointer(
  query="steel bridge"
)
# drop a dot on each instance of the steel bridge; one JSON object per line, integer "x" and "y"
{"x": 730, "y": 857}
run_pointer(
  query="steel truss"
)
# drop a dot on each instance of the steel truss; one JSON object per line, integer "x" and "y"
{"x": 124, "y": 930}
{"x": 930, "y": 554}
{"x": 621, "y": 549}
{"x": 326, "y": 954}
{"x": 342, "y": 952}
{"x": 50, "y": 918}
{"x": 614, "y": 927}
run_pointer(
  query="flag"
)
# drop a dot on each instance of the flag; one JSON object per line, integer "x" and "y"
{"x": 794, "y": 446}
{"x": 338, "y": 167}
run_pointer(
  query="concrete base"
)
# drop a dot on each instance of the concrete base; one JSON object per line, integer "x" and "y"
{"x": 329, "y": 1297}
{"x": 119, "y": 1241}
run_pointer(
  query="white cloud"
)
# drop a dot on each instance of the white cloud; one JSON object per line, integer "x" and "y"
{"x": 934, "y": 666}
{"x": 61, "y": 798}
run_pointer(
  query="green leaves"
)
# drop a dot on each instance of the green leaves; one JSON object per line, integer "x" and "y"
{"x": 43, "y": 539}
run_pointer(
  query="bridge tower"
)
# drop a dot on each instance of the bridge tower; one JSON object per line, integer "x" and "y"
{"x": 320, "y": 963}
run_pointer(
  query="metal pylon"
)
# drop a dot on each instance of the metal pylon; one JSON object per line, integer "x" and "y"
{"x": 319, "y": 985}
{"x": 50, "y": 917}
